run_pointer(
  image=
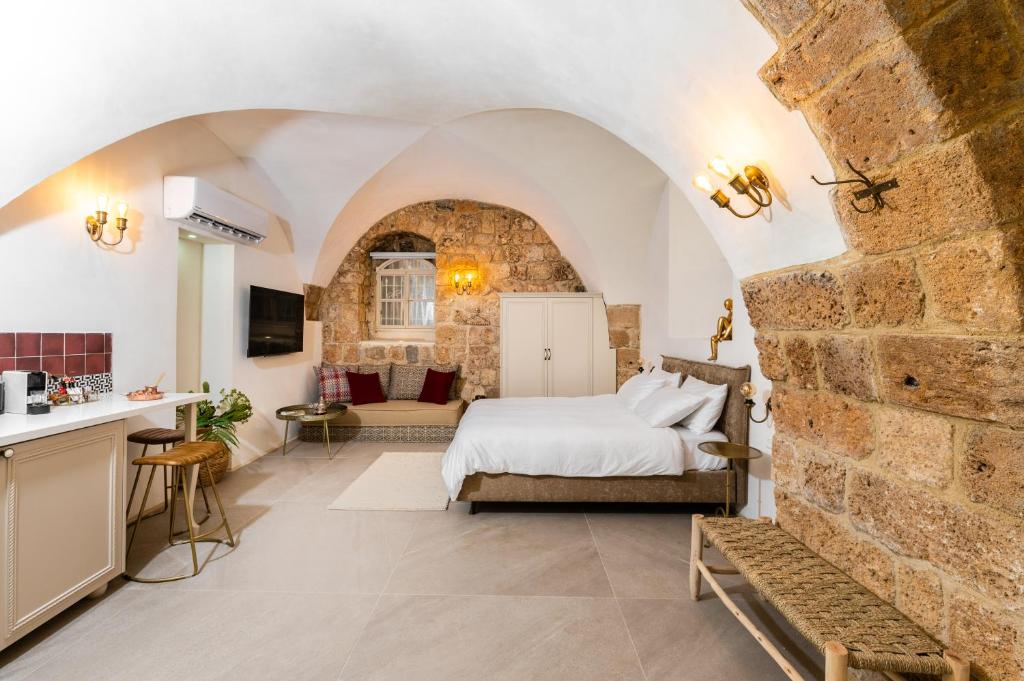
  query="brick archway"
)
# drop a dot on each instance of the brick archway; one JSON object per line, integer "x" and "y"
{"x": 899, "y": 449}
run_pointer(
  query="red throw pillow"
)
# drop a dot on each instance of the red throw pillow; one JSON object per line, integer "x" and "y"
{"x": 365, "y": 388}
{"x": 436, "y": 386}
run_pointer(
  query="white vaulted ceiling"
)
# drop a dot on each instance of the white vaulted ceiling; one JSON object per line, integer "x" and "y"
{"x": 413, "y": 99}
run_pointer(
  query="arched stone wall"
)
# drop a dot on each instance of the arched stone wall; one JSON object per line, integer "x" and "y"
{"x": 512, "y": 253}
{"x": 899, "y": 449}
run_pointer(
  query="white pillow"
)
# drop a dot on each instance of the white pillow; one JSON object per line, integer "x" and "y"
{"x": 671, "y": 380}
{"x": 667, "y": 406}
{"x": 704, "y": 418}
{"x": 637, "y": 388}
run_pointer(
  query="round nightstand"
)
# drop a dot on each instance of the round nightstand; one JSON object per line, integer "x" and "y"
{"x": 730, "y": 451}
{"x": 308, "y": 413}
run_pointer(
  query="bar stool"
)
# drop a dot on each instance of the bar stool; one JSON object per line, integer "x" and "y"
{"x": 164, "y": 437}
{"x": 178, "y": 459}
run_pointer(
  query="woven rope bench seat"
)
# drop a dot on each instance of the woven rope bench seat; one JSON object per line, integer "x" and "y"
{"x": 821, "y": 601}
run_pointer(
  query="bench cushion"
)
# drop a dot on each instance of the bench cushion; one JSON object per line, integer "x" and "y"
{"x": 401, "y": 413}
{"x": 821, "y": 601}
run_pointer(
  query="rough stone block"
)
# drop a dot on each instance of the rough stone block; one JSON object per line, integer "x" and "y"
{"x": 977, "y": 282}
{"x": 916, "y": 446}
{"x": 770, "y": 356}
{"x": 312, "y": 294}
{"x": 977, "y": 378}
{"x": 919, "y": 596}
{"x": 827, "y": 535}
{"x": 796, "y": 300}
{"x": 785, "y": 464}
{"x": 623, "y": 316}
{"x": 986, "y": 637}
{"x": 884, "y": 293}
{"x": 847, "y": 366}
{"x": 824, "y": 480}
{"x": 987, "y": 554}
{"x": 618, "y": 338}
{"x": 837, "y": 424}
{"x": 992, "y": 470}
{"x": 781, "y": 17}
{"x": 801, "y": 362}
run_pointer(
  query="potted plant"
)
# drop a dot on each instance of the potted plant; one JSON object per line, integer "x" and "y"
{"x": 219, "y": 423}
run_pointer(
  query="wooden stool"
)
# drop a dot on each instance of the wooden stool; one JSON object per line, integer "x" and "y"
{"x": 178, "y": 459}
{"x": 164, "y": 437}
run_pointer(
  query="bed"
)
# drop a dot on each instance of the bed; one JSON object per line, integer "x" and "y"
{"x": 627, "y": 464}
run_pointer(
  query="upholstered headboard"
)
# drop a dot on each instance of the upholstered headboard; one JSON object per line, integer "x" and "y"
{"x": 733, "y": 421}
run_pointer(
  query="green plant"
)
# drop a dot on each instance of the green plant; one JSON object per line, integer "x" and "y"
{"x": 219, "y": 422}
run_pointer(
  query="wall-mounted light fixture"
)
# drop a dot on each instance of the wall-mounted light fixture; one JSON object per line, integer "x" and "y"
{"x": 872, "y": 190}
{"x": 752, "y": 183}
{"x": 465, "y": 280}
{"x": 94, "y": 223}
{"x": 749, "y": 391}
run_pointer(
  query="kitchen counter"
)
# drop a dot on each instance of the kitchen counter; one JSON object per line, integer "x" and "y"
{"x": 15, "y": 428}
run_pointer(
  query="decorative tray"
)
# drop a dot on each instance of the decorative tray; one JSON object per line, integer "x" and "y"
{"x": 144, "y": 397}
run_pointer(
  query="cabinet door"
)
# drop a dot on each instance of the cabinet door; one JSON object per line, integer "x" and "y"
{"x": 63, "y": 523}
{"x": 570, "y": 343}
{"x": 523, "y": 347}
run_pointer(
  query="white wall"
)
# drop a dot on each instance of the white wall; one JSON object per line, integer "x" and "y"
{"x": 189, "y": 316}
{"x": 687, "y": 280}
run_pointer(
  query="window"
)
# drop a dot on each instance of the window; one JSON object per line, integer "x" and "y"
{"x": 405, "y": 298}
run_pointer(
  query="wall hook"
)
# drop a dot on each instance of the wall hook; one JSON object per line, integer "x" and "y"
{"x": 870, "y": 190}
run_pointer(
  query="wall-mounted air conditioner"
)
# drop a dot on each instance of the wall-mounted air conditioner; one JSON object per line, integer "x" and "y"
{"x": 210, "y": 211}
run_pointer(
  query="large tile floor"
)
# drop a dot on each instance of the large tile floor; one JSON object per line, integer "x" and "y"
{"x": 512, "y": 593}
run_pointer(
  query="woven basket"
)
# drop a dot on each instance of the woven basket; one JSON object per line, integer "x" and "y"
{"x": 219, "y": 463}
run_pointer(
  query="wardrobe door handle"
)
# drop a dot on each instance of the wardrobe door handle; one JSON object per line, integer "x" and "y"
{"x": 8, "y": 453}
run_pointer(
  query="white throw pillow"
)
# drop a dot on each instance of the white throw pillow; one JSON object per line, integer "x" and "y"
{"x": 667, "y": 406}
{"x": 706, "y": 416}
{"x": 639, "y": 387}
{"x": 671, "y": 380}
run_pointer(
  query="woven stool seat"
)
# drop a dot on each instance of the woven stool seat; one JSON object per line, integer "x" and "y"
{"x": 157, "y": 436}
{"x": 186, "y": 454}
{"x": 822, "y": 602}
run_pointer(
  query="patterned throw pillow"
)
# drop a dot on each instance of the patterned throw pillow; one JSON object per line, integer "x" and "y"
{"x": 407, "y": 380}
{"x": 333, "y": 382}
{"x": 383, "y": 369}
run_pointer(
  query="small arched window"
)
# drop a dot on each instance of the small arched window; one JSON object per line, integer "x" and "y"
{"x": 405, "y": 297}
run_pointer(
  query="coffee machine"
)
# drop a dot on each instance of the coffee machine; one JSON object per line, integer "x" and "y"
{"x": 25, "y": 392}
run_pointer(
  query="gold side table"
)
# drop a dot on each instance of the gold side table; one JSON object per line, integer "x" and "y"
{"x": 730, "y": 451}
{"x": 308, "y": 413}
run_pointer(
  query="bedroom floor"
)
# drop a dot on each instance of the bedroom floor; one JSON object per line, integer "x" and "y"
{"x": 512, "y": 593}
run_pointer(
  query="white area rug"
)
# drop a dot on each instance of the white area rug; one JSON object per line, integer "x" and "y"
{"x": 397, "y": 481}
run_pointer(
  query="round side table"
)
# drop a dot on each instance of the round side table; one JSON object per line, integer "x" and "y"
{"x": 730, "y": 451}
{"x": 307, "y": 413}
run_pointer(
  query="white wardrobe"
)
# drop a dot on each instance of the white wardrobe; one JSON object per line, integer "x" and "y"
{"x": 555, "y": 345}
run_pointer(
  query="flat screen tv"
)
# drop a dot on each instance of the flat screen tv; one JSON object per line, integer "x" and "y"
{"x": 275, "y": 322}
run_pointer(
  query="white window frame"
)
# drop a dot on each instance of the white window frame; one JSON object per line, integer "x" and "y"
{"x": 405, "y": 331}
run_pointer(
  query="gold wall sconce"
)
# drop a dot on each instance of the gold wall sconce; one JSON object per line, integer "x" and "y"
{"x": 465, "y": 280}
{"x": 749, "y": 391}
{"x": 94, "y": 224}
{"x": 752, "y": 183}
{"x": 723, "y": 330}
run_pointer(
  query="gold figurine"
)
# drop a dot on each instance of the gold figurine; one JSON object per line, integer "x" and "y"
{"x": 724, "y": 330}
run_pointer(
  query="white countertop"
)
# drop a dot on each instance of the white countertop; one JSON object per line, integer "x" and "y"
{"x": 16, "y": 428}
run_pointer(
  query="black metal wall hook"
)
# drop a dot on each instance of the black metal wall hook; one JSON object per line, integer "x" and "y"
{"x": 871, "y": 190}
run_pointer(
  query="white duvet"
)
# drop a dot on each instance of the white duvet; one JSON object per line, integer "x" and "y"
{"x": 568, "y": 436}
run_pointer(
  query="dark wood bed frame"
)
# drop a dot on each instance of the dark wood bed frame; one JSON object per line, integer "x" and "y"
{"x": 691, "y": 486}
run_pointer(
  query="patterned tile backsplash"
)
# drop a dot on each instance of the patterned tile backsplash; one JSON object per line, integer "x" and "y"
{"x": 85, "y": 356}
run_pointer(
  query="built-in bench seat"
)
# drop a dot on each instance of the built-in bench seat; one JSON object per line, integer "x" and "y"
{"x": 392, "y": 421}
{"x": 850, "y": 625}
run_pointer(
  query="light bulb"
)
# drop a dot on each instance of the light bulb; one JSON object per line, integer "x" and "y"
{"x": 469, "y": 277}
{"x": 101, "y": 203}
{"x": 703, "y": 183}
{"x": 719, "y": 165}
{"x": 456, "y": 277}
{"x": 122, "y": 209}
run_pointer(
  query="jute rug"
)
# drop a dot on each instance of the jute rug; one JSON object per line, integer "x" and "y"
{"x": 397, "y": 481}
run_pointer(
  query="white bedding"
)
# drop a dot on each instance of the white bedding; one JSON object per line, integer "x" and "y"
{"x": 569, "y": 436}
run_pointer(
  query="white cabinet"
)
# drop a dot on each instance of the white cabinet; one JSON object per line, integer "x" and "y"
{"x": 555, "y": 345}
{"x": 63, "y": 523}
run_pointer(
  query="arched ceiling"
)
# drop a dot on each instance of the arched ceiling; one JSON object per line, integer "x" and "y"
{"x": 675, "y": 80}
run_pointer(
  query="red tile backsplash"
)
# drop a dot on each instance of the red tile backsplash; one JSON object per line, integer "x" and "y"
{"x": 72, "y": 354}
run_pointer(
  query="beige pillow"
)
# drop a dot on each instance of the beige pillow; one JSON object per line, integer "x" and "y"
{"x": 407, "y": 380}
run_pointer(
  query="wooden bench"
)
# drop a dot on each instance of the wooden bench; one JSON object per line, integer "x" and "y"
{"x": 850, "y": 625}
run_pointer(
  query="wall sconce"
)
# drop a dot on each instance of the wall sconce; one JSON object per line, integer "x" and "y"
{"x": 94, "y": 223}
{"x": 753, "y": 184}
{"x": 749, "y": 390}
{"x": 465, "y": 280}
{"x": 872, "y": 190}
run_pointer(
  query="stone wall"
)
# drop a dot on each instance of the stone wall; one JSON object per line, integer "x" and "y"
{"x": 624, "y": 336}
{"x": 510, "y": 250}
{"x": 899, "y": 366}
